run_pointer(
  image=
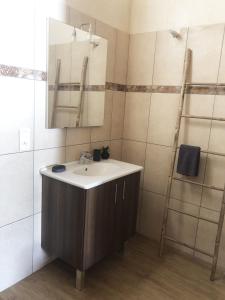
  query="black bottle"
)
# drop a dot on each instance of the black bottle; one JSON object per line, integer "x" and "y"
{"x": 105, "y": 152}
{"x": 96, "y": 155}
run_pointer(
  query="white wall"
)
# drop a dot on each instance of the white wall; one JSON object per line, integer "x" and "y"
{"x": 154, "y": 15}
{"x": 115, "y": 13}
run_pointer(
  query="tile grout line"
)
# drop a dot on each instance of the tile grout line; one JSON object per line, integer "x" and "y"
{"x": 148, "y": 128}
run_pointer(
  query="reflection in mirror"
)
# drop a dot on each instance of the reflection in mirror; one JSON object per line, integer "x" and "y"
{"x": 76, "y": 76}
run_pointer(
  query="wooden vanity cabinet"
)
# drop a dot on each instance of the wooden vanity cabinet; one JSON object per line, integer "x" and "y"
{"x": 83, "y": 226}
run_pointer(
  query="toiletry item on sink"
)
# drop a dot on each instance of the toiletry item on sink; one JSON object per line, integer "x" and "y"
{"x": 105, "y": 152}
{"x": 96, "y": 155}
{"x": 188, "y": 160}
{"x": 58, "y": 168}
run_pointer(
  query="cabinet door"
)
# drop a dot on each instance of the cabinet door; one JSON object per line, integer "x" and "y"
{"x": 131, "y": 186}
{"x": 119, "y": 222}
{"x": 99, "y": 224}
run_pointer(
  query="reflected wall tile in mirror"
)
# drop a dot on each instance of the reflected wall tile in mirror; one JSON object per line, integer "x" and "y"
{"x": 77, "y": 18}
{"x": 97, "y": 64}
{"x": 109, "y": 34}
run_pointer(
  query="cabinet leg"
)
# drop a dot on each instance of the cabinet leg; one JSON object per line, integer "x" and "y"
{"x": 80, "y": 275}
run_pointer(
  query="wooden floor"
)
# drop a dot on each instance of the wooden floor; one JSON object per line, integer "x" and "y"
{"x": 138, "y": 274}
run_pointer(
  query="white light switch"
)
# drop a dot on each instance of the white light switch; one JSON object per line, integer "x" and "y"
{"x": 25, "y": 136}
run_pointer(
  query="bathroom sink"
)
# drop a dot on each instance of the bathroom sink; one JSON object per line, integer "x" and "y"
{"x": 93, "y": 174}
{"x": 97, "y": 169}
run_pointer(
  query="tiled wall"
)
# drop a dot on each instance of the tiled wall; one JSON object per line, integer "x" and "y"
{"x": 155, "y": 64}
{"x": 22, "y": 102}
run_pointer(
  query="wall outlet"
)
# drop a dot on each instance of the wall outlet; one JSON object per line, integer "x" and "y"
{"x": 25, "y": 139}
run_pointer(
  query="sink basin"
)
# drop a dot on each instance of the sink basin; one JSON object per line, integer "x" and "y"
{"x": 97, "y": 169}
{"x": 91, "y": 175}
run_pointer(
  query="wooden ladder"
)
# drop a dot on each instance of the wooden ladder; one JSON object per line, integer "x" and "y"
{"x": 171, "y": 177}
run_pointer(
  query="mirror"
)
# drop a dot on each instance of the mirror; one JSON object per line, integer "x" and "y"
{"x": 76, "y": 76}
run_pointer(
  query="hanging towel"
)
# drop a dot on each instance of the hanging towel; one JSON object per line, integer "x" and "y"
{"x": 188, "y": 160}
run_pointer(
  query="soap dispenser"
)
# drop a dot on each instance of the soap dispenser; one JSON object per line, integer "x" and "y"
{"x": 105, "y": 152}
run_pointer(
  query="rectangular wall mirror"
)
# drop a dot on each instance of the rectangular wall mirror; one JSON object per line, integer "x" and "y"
{"x": 76, "y": 76}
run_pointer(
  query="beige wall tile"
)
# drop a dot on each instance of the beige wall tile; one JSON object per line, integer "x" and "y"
{"x": 133, "y": 152}
{"x": 141, "y": 58}
{"x": 219, "y": 106}
{"x": 136, "y": 116}
{"x": 200, "y": 40}
{"x": 151, "y": 215}
{"x": 216, "y": 137}
{"x": 182, "y": 228}
{"x": 201, "y": 105}
{"x": 116, "y": 149}
{"x": 184, "y": 207}
{"x": 77, "y": 136}
{"x": 103, "y": 133}
{"x": 118, "y": 108}
{"x": 162, "y": 121}
{"x": 215, "y": 171}
{"x": 108, "y": 33}
{"x": 156, "y": 168}
{"x": 196, "y": 132}
{"x": 221, "y": 77}
{"x": 217, "y": 131}
{"x": 169, "y": 58}
{"x": 206, "y": 236}
{"x": 100, "y": 145}
{"x": 212, "y": 199}
{"x": 186, "y": 192}
{"x": 73, "y": 152}
{"x": 122, "y": 49}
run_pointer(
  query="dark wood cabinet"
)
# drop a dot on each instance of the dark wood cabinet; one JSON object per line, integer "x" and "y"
{"x": 83, "y": 226}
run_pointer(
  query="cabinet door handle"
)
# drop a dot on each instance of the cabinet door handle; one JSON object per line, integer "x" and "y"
{"x": 124, "y": 189}
{"x": 116, "y": 194}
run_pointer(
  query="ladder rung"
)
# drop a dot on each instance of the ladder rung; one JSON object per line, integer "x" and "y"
{"x": 199, "y": 184}
{"x": 203, "y": 118}
{"x": 187, "y": 246}
{"x": 193, "y": 216}
{"x": 66, "y": 107}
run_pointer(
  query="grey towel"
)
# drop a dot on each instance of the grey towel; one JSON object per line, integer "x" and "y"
{"x": 188, "y": 160}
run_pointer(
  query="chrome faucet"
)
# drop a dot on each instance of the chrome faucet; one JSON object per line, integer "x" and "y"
{"x": 85, "y": 157}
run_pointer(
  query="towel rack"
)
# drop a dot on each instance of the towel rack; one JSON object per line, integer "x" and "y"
{"x": 171, "y": 178}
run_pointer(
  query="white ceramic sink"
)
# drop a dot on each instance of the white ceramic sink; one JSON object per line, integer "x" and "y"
{"x": 97, "y": 169}
{"x": 91, "y": 175}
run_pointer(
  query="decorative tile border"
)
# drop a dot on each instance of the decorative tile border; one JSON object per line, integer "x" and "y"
{"x": 30, "y": 74}
{"x": 11, "y": 71}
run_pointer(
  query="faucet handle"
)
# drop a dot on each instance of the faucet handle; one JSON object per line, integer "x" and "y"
{"x": 85, "y": 157}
